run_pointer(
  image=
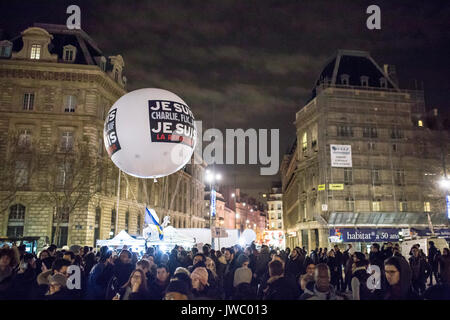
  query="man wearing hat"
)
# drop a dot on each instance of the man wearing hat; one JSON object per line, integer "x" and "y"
{"x": 57, "y": 284}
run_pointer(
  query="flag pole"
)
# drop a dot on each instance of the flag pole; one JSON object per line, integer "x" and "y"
{"x": 117, "y": 208}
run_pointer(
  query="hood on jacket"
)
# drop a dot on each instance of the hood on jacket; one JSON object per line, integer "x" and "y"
{"x": 43, "y": 277}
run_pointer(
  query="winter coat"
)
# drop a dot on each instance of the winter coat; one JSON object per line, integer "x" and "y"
{"x": 360, "y": 290}
{"x": 295, "y": 267}
{"x": 7, "y": 278}
{"x": 403, "y": 290}
{"x": 419, "y": 268}
{"x": 157, "y": 290}
{"x": 335, "y": 270}
{"x": 444, "y": 269}
{"x": 262, "y": 263}
{"x": 24, "y": 285}
{"x": 63, "y": 294}
{"x": 95, "y": 288}
{"x": 228, "y": 278}
{"x": 315, "y": 294}
{"x": 280, "y": 288}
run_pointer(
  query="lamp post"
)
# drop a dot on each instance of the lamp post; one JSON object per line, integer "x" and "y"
{"x": 211, "y": 178}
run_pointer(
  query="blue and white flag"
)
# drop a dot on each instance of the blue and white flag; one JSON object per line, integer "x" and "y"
{"x": 152, "y": 218}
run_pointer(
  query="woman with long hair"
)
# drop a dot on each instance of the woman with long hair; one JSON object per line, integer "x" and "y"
{"x": 135, "y": 288}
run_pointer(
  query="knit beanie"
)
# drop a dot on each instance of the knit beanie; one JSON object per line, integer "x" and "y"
{"x": 242, "y": 275}
{"x": 201, "y": 274}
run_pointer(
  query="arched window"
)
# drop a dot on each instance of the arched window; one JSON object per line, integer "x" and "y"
{"x": 127, "y": 220}
{"x": 16, "y": 221}
{"x": 112, "y": 231}
{"x": 139, "y": 219}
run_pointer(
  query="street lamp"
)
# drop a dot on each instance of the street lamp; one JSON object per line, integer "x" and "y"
{"x": 444, "y": 183}
{"x": 211, "y": 178}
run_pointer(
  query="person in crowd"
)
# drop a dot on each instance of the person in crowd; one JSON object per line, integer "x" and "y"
{"x": 9, "y": 259}
{"x": 96, "y": 289}
{"x": 399, "y": 279}
{"x": 306, "y": 283}
{"x": 433, "y": 261}
{"x": 135, "y": 288}
{"x": 221, "y": 264}
{"x": 360, "y": 291}
{"x": 262, "y": 262}
{"x": 322, "y": 289}
{"x": 242, "y": 274}
{"x": 349, "y": 268}
{"x": 117, "y": 273}
{"x": 228, "y": 276}
{"x": 25, "y": 281}
{"x": 200, "y": 285}
{"x": 177, "y": 290}
{"x": 419, "y": 268}
{"x": 159, "y": 285}
{"x": 441, "y": 290}
{"x": 173, "y": 261}
{"x": 339, "y": 260}
{"x": 335, "y": 269}
{"x": 57, "y": 288}
{"x": 294, "y": 265}
{"x": 144, "y": 266}
{"x": 278, "y": 287}
{"x": 89, "y": 261}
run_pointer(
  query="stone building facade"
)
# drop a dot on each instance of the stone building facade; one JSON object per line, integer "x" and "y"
{"x": 396, "y": 160}
{"x": 275, "y": 209}
{"x": 56, "y": 87}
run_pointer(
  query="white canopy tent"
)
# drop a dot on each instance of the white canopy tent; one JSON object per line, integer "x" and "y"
{"x": 172, "y": 237}
{"x": 121, "y": 239}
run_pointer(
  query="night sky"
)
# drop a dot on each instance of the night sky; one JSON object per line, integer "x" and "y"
{"x": 253, "y": 64}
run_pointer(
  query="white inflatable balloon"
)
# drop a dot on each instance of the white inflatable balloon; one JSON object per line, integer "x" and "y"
{"x": 150, "y": 133}
{"x": 248, "y": 236}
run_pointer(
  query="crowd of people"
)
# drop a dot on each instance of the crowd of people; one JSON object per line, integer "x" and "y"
{"x": 233, "y": 273}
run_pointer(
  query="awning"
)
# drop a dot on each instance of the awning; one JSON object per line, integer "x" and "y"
{"x": 386, "y": 219}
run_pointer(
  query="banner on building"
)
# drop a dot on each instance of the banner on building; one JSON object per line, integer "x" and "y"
{"x": 340, "y": 235}
{"x": 341, "y": 155}
{"x": 336, "y": 186}
{"x": 442, "y": 232}
{"x": 213, "y": 203}
{"x": 321, "y": 187}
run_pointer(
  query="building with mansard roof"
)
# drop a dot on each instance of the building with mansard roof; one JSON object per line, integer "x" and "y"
{"x": 56, "y": 87}
{"x": 363, "y": 159}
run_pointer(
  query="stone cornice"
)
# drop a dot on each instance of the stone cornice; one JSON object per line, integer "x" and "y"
{"x": 59, "y": 72}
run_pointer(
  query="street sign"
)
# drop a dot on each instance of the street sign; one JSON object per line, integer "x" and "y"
{"x": 336, "y": 186}
{"x": 321, "y": 187}
{"x": 448, "y": 206}
{"x": 217, "y": 232}
{"x": 341, "y": 155}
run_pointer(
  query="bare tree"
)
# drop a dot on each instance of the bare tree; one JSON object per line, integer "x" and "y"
{"x": 70, "y": 176}
{"x": 18, "y": 167}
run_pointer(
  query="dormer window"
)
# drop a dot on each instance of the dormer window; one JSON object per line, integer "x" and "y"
{"x": 5, "y": 49}
{"x": 35, "y": 52}
{"x": 364, "y": 81}
{"x": 345, "y": 79}
{"x": 69, "y": 53}
{"x": 103, "y": 64}
{"x": 383, "y": 82}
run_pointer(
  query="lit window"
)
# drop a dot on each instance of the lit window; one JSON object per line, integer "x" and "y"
{"x": 35, "y": 52}
{"x": 403, "y": 206}
{"x": 426, "y": 207}
{"x": 420, "y": 123}
{"x": 70, "y": 103}
{"x": 376, "y": 205}
{"x": 28, "y": 101}
{"x": 304, "y": 142}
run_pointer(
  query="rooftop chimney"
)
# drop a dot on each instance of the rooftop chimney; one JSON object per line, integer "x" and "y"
{"x": 390, "y": 71}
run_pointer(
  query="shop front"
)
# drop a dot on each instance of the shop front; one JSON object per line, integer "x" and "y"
{"x": 362, "y": 238}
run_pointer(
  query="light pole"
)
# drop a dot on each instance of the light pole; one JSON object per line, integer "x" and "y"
{"x": 211, "y": 178}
